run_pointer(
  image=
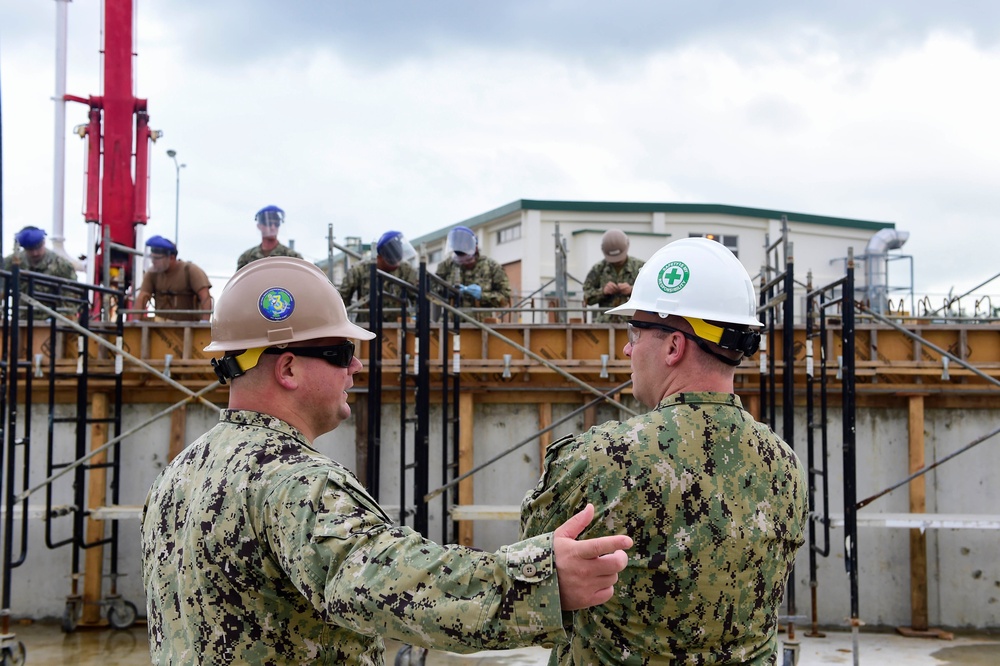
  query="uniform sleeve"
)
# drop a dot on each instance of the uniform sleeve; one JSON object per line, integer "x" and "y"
{"x": 593, "y": 287}
{"x": 559, "y": 493}
{"x": 349, "y": 285}
{"x": 197, "y": 278}
{"x": 244, "y": 259}
{"x": 360, "y": 572}
{"x": 496, "y": 288}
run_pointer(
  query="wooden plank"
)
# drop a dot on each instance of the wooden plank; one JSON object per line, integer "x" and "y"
{"x": 918, "y": 504}
{"x": 469, "y": 512}
{"x": 926, "y": 521}
{"x": 93, "y": 578}
{"x": 466, "y": 460}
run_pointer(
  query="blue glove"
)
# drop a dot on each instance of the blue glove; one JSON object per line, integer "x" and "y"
{"x": 473, "y": 290}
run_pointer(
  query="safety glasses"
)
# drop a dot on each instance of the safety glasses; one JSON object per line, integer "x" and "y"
{"x": 635, "y": 327}
{"x": 340, "y": 354}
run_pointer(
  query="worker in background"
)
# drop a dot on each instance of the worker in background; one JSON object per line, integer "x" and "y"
{"x": 174, "y": 284}
{"x": 259, "y": 549}
{"x": 393, "y": 254}
{"x": 34, "y": 256}
{"x": 716, "y": 502}
{"x": 609, "y": 282}
{"x": 480, "y": 281}
{"x": 269, "y": 219}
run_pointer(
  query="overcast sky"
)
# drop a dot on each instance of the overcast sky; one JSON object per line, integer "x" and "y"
{"x": 418, "y": 115}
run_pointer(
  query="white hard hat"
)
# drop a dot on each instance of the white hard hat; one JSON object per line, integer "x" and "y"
{"x": 694, "y": 278}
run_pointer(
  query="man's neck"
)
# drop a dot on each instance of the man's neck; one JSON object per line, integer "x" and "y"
{"x": 268, "y": 244}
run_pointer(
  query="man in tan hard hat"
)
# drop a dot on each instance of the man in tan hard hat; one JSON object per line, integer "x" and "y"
{"x": 259, "y": 549}
{"x": 609, "y": 282}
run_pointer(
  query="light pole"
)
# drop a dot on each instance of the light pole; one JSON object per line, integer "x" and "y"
{"x": 172, "y": 154}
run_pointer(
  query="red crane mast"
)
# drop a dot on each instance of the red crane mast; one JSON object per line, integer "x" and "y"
{"x": 117, "y": 177}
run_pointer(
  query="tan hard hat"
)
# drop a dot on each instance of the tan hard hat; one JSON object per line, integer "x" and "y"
{"x": 277, "y": 300}
{"x": 614, "y": 245}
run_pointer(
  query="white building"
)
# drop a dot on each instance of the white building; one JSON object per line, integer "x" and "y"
{"x": 522, "y": 237}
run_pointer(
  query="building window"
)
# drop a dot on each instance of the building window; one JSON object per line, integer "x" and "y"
{"x": 730, "y": 241}
{"x": 435, "y": 256}
{"x": 508, "y": 234}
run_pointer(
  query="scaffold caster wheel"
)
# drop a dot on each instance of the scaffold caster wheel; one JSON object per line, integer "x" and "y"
{"x": 122, "y": 614}
{"x": 71, "y": 615}
{"x": 410, "y": 655}
{"x": 13, "y": 655}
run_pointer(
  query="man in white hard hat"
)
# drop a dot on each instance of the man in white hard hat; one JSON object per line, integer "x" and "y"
{"x": 609, "y": 281}
{"x": 717, "y": 502}
{"x": 258, "y": 549}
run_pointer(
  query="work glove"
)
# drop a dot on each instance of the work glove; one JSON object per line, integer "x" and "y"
{"x": 473, "y": 290}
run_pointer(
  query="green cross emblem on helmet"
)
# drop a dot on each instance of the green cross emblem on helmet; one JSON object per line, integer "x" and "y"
{"x": 673, "y": 277}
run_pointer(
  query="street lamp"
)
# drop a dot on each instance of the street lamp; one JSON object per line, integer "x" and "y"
{"x": 172, "y": 154}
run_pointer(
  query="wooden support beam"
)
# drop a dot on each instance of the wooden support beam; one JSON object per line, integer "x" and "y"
{"x": 466, "y": 460}
{"x": 544, "y": 421}
{"x": 178, "y": 432}
{"x": 918, "y": 504}
{"x": 97, "y": 483}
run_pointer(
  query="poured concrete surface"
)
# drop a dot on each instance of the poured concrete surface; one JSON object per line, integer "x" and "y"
{"x": 47, "y": 645}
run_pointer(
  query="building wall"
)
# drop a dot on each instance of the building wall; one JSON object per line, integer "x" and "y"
{"x": 964, "y": 572}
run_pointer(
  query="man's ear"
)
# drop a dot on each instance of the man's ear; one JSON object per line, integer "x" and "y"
{"x": 673, "y": 349}
{"x": 286, "y": 370}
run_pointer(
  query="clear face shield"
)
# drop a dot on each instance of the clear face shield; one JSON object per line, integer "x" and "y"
{"x": 462, "y": 246}
{"x": 269, "y": 221}
{"x": 155, "y": 262}
{"x": 397, "y": 250}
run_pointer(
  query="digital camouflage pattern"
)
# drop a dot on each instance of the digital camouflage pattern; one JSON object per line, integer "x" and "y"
{"x": 716, "y": 504}
{"x": 50, "y": 264}
{"x": 257, "y": 549}
{"x": 356, "y": 283}
{"x": 257, "y": 252}
{"x": 602, "y": 273}
{"x": 487, "y": 273}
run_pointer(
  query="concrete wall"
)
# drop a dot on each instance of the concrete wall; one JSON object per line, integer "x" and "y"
{"x": 963, "y": 566}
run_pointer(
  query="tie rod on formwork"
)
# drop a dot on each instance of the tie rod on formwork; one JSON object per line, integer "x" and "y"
{"x": 979, "y": 440}
{"x": 604, "y": 396}
{"x": 115, "y": 349}
{"x": 541, "y": 359}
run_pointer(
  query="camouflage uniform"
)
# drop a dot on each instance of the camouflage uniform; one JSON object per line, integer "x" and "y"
{"x": 50, "y": 264}
{"x": 356, "y": 282}
{"x": 256, "y": 252}
{"x": 487, "y": 273}
{"x": 600, "y": 274}
{"x": 257, "y": 549}
{"x": 716, "y": 504}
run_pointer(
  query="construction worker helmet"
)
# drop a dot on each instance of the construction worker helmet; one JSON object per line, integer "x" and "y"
{"x": 394, "y": 248}
{"x": 703, "y": 281}
{"x": 277, "y": 300}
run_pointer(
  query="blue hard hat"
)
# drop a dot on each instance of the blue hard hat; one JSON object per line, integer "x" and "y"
{"x": 162, "y": 244}
{"x": 30, "y": 237}
{"x": 270, "y": 215}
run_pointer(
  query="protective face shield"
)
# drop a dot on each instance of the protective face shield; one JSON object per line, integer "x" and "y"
{"x": 271, "y": 302}
{"x": 462, "y": 244}
{"x": 156, "y": 261}
{"x": 269, "y": 218}
{"x": 394, "y": 249}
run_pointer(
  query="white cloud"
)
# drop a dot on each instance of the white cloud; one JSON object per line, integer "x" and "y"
{"x": 369, "y": 123}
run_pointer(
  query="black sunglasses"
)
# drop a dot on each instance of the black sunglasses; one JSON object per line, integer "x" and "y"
{"x": 340, "y": 354}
